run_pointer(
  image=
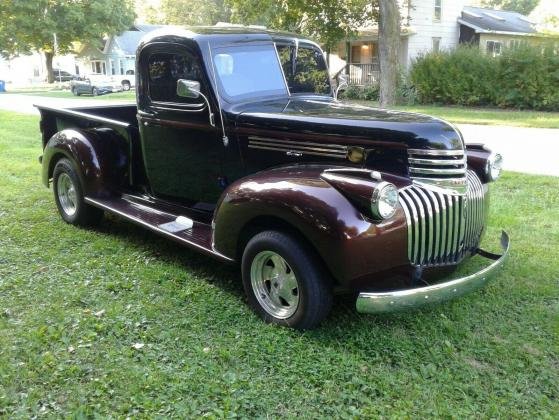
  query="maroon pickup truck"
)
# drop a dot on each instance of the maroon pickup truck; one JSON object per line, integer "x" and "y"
{"x": 239, "y": 148}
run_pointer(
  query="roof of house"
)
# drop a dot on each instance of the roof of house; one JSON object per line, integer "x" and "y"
{"x": 128, "y": 41}
{"x": 496, "y": 21}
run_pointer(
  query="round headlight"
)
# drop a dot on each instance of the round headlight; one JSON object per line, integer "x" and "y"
{"x": 384, "y": 201}
{"x": 494, "y": 166}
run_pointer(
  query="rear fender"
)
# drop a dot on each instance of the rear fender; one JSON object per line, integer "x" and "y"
{"x": 100, "y": 156}
{"x": 350, "y": 244}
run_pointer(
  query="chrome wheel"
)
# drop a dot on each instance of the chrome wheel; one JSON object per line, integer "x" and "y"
{"x": 67, "y": 195}
{"x": 274, "y": 284}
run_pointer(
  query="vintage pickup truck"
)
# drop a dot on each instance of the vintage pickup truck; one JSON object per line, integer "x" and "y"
{"x": 239, "y": 148}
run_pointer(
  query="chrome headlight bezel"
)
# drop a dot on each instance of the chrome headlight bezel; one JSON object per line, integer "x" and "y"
{"x": 384, "y": 201}
{"x": 494, "y": 166}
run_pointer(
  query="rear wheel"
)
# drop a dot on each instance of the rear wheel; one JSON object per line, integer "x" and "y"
{"x": 69, "y": 198}
{"x": 284, "y": 282}
{"x": 95, "y": 92}
{"x": 75, "y": 91}
{"x": 126, "y": 85}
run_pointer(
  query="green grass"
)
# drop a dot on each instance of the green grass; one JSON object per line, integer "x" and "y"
{"x": 129, "y": 95}
{"x": 483, "y": 116}
{"x": 74, "y": 302}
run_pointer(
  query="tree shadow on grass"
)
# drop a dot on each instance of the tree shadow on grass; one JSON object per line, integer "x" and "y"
{"x": 226, "y": 276}
{"x": 344, "y": 330}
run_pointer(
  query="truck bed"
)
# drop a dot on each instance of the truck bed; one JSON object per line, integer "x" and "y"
{"x": 119, "y": 117}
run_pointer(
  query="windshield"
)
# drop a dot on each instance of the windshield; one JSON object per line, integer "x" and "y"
{"x": 254, "y": 71}
{"x": 305, "y": 69}
{"x": 249, "y": 71}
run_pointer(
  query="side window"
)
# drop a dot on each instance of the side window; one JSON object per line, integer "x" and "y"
{"x": 305, "y": 73}
{"x": 164, "y": 69}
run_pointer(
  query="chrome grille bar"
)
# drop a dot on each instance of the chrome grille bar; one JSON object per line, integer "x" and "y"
{"x": 443, "y": 168}
{"x": 443, "y": 228}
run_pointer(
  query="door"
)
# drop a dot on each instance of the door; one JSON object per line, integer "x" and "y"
{"x": 181, "y": 149}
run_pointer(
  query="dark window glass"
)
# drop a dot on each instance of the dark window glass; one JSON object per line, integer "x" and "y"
{"x": 164, "y": 69}
{"x": 305, "y": 69}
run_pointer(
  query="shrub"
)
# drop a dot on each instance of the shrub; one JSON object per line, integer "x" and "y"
{"x": 525, "y": 77}
{"x": 528, "y": 77}
{"x": 366, "y": 93}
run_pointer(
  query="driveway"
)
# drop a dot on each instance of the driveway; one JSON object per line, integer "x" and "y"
{"x": 529, "y": 150}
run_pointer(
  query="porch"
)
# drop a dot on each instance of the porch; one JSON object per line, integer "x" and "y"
{"x": 360, "y": 62}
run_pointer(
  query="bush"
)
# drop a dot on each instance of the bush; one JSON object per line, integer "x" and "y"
{"x": 528, "y": 78}
{"x": 521, "y": 78}
{"x": 366, "y": 93}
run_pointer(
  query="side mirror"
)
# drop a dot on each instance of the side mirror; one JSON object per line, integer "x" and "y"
{"x": 191, "y": 89}
{"x": 342, "y": 84}
{"x": 188, "y": 88}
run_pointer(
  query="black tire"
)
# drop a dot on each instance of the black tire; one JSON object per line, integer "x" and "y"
{"x": 126, "y": 85}
{"x": 95, "y": 92}
{"x": 75, "y": 92}
{"x": 83, "y": 214}
{"x": 314, "y": 285}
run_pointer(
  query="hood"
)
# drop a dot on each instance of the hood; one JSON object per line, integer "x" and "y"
{"x": 356, "y": 125}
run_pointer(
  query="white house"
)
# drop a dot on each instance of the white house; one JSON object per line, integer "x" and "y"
{"x": 432, "y": 25}
{"x": 115, "y": 55}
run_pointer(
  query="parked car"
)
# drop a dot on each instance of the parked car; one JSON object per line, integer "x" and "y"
{"x": 95, "y": 85}
{"x": 63, "y": 76}
{"x": 239, "y": 149}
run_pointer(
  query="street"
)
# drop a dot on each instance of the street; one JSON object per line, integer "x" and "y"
{"x": 528, "y": 150}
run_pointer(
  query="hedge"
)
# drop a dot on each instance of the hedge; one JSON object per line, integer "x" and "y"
{"x": 524, "y": 77}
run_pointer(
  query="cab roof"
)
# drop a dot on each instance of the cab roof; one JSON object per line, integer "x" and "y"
{"x": 216, "y": 35}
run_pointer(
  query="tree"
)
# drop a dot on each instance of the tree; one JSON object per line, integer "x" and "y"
{"x": 389, "y": 50}
{"x": 28, "y": 26}
{"x": 524, "y": 7}
{"x": 327, "y": 21}
{"x": 192, "y": 12}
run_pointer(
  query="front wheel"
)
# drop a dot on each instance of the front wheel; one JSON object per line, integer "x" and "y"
{"x": 69, "y": 197}
{"x": 285, "y": 283}
{"x": 126, "y": 85}
{"x": 95, "y": 92}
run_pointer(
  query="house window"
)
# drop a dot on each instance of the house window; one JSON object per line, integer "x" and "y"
{"x": 438, "y": 10}
{"x": 494, "y": 48}
{"x": 98, "y": 67}
{"x": 113, "y": 68}
{"x": 121, "y": 66}
{"x": 515, "y": 43}
{"x": 436, "y": 44}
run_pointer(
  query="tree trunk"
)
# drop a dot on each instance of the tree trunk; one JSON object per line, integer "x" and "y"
{"x": 48, "y": 61}
{"x": 389, "y": 50}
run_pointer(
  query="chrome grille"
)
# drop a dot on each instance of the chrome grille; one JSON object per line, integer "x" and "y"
{"x": 443, "y": 168}
{"x": 442, "y": 227}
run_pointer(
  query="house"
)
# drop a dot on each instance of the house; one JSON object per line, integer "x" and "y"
{"x": 494, "y": 30}
{"x": 432, "y": 25}
{"x": 114, "y": 56}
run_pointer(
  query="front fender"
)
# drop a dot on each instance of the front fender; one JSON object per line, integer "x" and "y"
{"x": 100, "y": 155}
{"x": 351, "y": 245}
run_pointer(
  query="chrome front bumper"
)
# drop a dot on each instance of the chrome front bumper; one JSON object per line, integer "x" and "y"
{"x": 375, "y": 303}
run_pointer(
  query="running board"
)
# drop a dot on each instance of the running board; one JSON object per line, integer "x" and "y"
{"x": 179, "y": 228}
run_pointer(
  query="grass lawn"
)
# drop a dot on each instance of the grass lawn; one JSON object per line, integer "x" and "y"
{"x": 117, "y": 321}
{"x": 131, "y": 95}
{"x": 483, "y": 116}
